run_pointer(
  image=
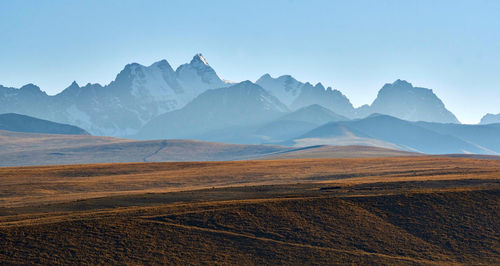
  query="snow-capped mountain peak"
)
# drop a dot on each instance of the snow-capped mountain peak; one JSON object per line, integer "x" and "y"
{"x": 199, "y": 75}
{"x": 122, "y": 107}
{"x": 198, "y": 58}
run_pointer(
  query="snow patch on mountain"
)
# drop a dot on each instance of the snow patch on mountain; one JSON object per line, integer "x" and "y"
{"x": 285, "y": 87}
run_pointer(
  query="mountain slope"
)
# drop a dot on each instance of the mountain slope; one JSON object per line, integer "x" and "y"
{"x": 243, "y": 104}
{"x": 285, "y": 87}
{"x": 490, "y": 119}
{"x": 329, "y": 98}
{"x": 297, "y": 123}
{"x": 400, "y": 99}
{"x": 314, "y": 113}
{"x": 485, "y": 136}
{"x": 391, "y": 132}
{"x": 28, "y": 124}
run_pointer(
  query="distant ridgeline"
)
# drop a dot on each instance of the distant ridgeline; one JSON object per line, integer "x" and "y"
{"x": 490, "y": 119}
{"x": 27, "y": 124}
{"x": 193, "y": 102}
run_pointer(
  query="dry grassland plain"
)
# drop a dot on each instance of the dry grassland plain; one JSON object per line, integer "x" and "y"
{"x": 402, "y": 210}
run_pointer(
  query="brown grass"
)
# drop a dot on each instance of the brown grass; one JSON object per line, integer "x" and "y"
{"x": 48, "y": 184}
{"x": 447, "y": 227}
{"x": 408, "y": 210}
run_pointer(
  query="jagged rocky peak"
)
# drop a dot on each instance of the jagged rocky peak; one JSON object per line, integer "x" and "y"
{"x": 490, "y": 119}
{"x": 74, "y": 85}
{"x": 286, "y": 82}
{"x": 71, "y": 89}
{"x": 199, "y": 75}
{"x": 319, "y": 86}
{"x": 403, "y": 86}
{"x": 402, "y": 100}
{"x": 127, "y": 71}
{"x": 295, "y": 94}
{"x": 164, "y": 65}
{"x": 198, "y": 62}
{"x": 284, "y": 87}
{"x": 402, "y": 83}
{"x": 132, "y": 66}
{"x": 264, "y": 77}
{"x": 287, "y": 78}
{"x": 199, "y": 59}
{"x": 31, "y": 89}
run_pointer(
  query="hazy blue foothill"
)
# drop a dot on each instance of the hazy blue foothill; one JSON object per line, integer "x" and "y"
{"x": 390, "y": 132}
{"x": 242, "y": 104}
{"x": 24, "y": 123}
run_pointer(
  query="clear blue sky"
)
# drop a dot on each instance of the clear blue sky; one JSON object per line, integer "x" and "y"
{"x": 452, "y": 47}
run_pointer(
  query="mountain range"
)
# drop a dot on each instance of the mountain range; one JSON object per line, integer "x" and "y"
{"x": 400, "y": 99}
{"x": 390, "y": 132}
{"x": 140, "y": 94}
{"x": 193, "y": 102}
{"x": 309, "y": 128}
{"x": 137, "y": 95}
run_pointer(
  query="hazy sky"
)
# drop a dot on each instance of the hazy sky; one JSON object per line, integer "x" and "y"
{"x": 452, "y": 47}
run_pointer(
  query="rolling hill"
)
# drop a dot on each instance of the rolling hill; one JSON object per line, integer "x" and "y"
{"x": 487, "y": 137}
{"x": 28, "y": 124}
{"x": 390, "y": 132}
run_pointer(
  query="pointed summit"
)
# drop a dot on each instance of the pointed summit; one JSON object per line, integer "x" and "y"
{"x": 319, "y": 86}
{"x": 74, "y": 85}
{"x": 199, "y": 59}
{"x": 71, "y": 90}
{"x": 199, "y": 76}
